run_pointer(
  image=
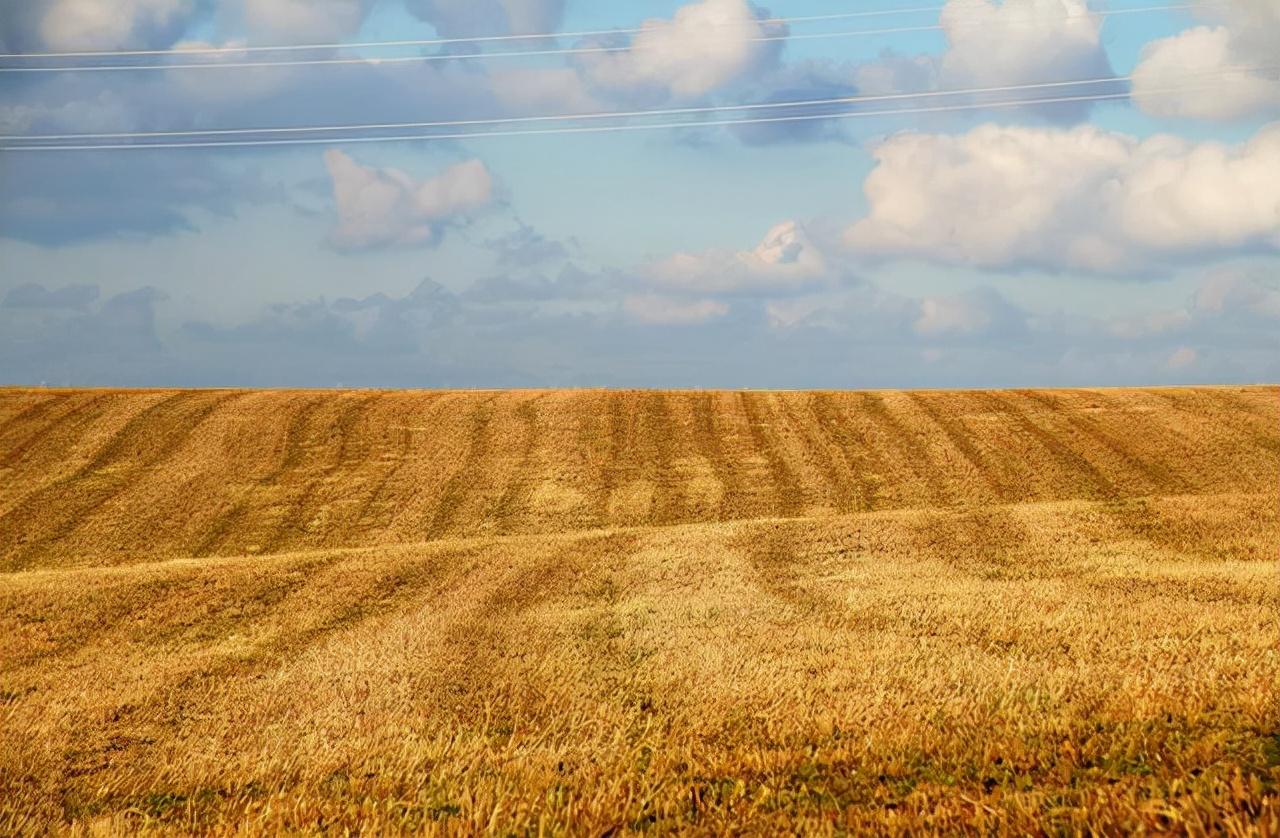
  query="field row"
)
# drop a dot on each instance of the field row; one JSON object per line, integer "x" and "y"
{"x": 99, "y": 477}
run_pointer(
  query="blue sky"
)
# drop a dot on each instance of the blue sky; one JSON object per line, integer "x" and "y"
{"x": 1126, "y": 241}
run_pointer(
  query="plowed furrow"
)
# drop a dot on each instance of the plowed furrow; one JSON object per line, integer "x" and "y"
{"x": 1086, "y": 479}
{"x": 235, "y": 522}
{"x": 787, "y": 489}
{"x": 1156, "y": 474}
{"x": 826, "y": 457}
{"x": 460, "y": 483}
{"x": 613, "y": 470}
{"x": 146, "y": 441}
{"x": 515, "y": 496}
{"x": 860, "y": 458}
{"x": 293, "y": 528}
{"x": 708, "y": 438}
{"x": 963, "y": 442}
{"x": 894, "y": 434}
{"x": 57, "y": 434}
{"x": 658, "y": 429}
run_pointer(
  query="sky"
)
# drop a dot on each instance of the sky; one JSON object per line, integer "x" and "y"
{"x": 939, "y": 225}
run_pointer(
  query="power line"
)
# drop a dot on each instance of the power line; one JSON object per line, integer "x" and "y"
{"x": 426, "y": 42}
{"x": 838, "y": 100}
{"x": 594, "y": 129}
{"x": 408, "y": 59}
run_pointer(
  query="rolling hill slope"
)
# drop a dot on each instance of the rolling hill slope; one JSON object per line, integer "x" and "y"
{"x": 107, "y": 477}
{"x": 599, "y": 612}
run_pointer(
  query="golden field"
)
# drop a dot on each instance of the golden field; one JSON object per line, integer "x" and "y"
{"x": 596, "y": 612}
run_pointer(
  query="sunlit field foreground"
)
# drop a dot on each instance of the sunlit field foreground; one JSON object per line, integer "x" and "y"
{"x": 591, "y": 612}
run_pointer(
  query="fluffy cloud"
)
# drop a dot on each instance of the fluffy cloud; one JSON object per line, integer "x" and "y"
{"x": 299, "y": 21}
{"x": 119, "y": 24}
{"x": 706, "y": 46}
{"x": 381, "y": 207}
{"x": 1221, "y": 65}
{"x": 971, "y": 314}
{"x": 93, "y": 24}
{"x": 998, "y": 44}
{"x": 469, "y": 18}
{"x": 785, "y": 260}
{"x": 1229, "y": 301}
{"x": 1020, "y": 42}
{"x": 1084, "y": 198}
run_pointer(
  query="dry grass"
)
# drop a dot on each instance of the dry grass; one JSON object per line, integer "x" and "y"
{"x": 588, "y": 612}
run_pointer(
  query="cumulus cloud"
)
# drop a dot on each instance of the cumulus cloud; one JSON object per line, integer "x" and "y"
{"x": 971, "y": 314}
{"x": 1227, "y": 69}
{"x": 1229, "y": 301}
{"x": 465, "y": 18}
{"x": 706, "y": 46}
{"x": 998, "y": 44}
{"x": 1020, "y": 41}
{"x": 300, "y": 21}
{"x": 383, "y": 207}
{"x": 1084, "y": 198}
{"x": 119, "y": 24}
{"x": 94, "y": 24}
{"x": 786, "y": 260}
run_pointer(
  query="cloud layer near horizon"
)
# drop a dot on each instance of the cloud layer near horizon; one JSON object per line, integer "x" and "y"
{"x": 586, "y": 259}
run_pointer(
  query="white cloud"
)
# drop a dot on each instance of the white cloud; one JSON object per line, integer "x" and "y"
{"x": 1223, "y": 65}
{"x": 785, "y": 260}
{"x": 107, "y": 111}
{"x": 1019, "y": 41}
{"x": 300, "y": 21}
{"x": 659, "y": 310}
{"x": 382, "y": 207}
{"x": 462, "y": 18}
{"x": 1230, "y": 299}
{"x": 945, "y": 316}
{"x": 252, "y": 83}
{"x": 109, "y": 24}
{"x": 997, "y": 44}
{"x": 707, "y": 45}
{"x": 1084, "y": 198}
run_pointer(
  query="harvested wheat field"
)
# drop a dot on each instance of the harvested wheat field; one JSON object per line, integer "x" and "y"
{"x": 591, "y": 612}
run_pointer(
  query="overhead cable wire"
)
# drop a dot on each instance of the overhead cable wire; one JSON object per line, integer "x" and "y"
{"x": 592, "y": 129}
{"x": 588, "y": 50}
{"x": 593, "y": 115}
{"x": 428, "y": 42}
